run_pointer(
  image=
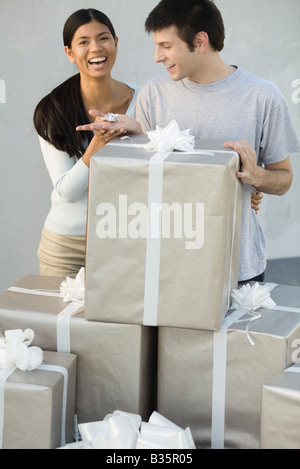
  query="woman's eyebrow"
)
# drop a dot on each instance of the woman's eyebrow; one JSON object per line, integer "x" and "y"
{"x": 87, "y": 37}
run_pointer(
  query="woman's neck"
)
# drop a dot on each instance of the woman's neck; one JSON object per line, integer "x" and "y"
{"x": 106, "y": 95}
{"x": 97, "y": 94}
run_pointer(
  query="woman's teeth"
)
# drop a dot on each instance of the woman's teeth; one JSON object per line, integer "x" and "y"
{"x": 97, "y": 60}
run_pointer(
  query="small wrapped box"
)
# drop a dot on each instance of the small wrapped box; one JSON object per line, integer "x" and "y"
{"x": 116, "y": 365}
{"x": 280, "y": 410}
{"x": 39, "y": 405}
{"x": 212, "y": 381}
{"x": 163, "y": 234}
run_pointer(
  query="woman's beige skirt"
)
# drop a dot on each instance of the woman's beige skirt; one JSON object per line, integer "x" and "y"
{"x": 61, "y": 256}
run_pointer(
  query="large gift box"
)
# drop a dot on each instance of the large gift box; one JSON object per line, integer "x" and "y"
{"x": 39, "y": 405}
{"x": 280, "y": 409}
{"x": 116, "y": 365}
{"x": 163, "y": 234}
{"x": 211, "y": 381}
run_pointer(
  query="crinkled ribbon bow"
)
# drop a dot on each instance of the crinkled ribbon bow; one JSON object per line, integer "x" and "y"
{"x": 74, "y": 289}
{"x": 123, "y": 430}
{"x": 251, "y": 299}
{"x": 170, "y": 138}
{"x": 15, "y": 351}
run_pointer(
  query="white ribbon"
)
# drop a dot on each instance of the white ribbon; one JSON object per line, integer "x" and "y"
{"x": 123, "y": 430}
{"x": 73, "y": 291}
{"x": 219, "y": 380}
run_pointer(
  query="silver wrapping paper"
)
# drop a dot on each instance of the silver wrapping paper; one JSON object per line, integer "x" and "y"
{"x": 280, "y": 411}
{"x": 186, "y": 367}
{"x": 33, "y": 402}
{"x": 193, "y": 285}
{"x": 116, "y": 366}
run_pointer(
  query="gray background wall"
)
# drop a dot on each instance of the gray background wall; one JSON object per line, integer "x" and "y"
{"x": 263, "y": 37}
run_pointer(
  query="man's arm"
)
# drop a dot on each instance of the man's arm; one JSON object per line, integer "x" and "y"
{"x": 274, "y": 179}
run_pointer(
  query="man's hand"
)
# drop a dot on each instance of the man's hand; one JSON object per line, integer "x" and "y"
{"x": 274, "y": 179}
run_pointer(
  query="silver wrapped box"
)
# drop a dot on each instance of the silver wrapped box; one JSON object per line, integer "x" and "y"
{"x": 163, "y": 235}
{"x": 212, "y": 381}
{"x": 116, "y": 366}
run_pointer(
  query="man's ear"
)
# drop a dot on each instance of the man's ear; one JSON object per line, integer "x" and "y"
{"x": 69, "y": 54}
{"x": 201, "y": 41}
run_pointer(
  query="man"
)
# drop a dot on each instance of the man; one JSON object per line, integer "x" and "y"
{"x": 218, "y": 101}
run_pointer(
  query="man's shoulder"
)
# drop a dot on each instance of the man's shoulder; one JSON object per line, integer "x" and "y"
{"x": 263, "y": 84}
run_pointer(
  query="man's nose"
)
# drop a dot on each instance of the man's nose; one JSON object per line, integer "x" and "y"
{"x": 158, "y": 55}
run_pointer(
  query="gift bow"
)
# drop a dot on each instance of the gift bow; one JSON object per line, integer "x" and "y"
{"x": 72, "y": 289}
{"x": 251, "y": 299}
{"x": 123, "y": 430}
{"x": 15, "y": 351}
{"x": 170, "y": 138}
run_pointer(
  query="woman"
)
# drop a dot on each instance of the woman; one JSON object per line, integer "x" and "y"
{"x": 91, "y": 43}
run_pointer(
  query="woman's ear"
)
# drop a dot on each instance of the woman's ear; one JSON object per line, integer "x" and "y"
{"x": 69, "y": 54}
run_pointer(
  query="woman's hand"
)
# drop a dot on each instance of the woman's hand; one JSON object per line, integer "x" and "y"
{"x": 123, "y": 124}
{"x": 256, "y": 199}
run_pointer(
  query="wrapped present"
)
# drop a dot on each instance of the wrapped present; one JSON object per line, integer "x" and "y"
{"x": 163, "y": 233}
{"x": 280, "y": 410}
{"x": 116, "y": 366}
{"x": 37, "y": 394}
{"x": 124, "y": 430}
{"x": 212, "y": 381}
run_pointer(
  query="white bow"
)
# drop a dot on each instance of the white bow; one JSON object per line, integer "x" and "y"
{"x": 74, "y": 289}
{"x": 170, "y": 138}
{"x": 123, "y": 430}
{"x": 252, "y": 298}
{"x": 16, "y": 353}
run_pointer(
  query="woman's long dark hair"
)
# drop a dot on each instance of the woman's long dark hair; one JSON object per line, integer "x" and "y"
{"x": 59, "y": 113}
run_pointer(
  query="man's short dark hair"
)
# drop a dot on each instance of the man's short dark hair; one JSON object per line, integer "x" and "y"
{"x": 190, "y": 17}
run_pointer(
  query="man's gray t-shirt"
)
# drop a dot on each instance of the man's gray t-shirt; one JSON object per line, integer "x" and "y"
{"x": 242, "y": 105}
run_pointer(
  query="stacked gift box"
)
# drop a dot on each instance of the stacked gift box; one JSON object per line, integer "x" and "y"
{"x": 157, "y": 330}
